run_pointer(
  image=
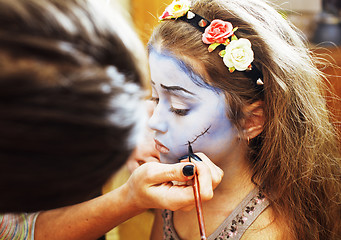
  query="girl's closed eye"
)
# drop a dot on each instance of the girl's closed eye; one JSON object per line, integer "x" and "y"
{"x": 179, "y": 106}
{"x": 180, "y": 112}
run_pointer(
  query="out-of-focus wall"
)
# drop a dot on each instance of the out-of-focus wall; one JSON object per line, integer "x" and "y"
{"x": 145, "y": 14}
{"x": 302, "y": 13}
{"x": 301, "y": 5}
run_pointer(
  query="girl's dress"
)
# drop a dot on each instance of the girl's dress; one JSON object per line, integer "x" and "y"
{"x": 234, "y": 226}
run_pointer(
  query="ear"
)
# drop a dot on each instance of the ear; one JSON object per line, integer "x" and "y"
{"x": 254, "y": 121}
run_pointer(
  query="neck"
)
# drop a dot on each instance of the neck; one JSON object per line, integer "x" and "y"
{"x": 236, "y": 183}
{"x": 234, "y": 187}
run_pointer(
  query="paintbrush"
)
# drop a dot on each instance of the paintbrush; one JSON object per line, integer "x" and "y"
{"x": 196, "y": 190}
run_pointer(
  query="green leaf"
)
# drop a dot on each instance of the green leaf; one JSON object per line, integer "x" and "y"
{"x": 213, "y": 46}
{"x": 234, "y": 37}
{"x": 222, "y": 53}
{"x": 235, "y": 29}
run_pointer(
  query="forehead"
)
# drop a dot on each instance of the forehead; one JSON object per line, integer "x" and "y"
{"x": 165, "y": 67}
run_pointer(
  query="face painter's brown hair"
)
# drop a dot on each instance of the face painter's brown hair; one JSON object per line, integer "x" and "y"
{"x": 71, "y": 74}
{"x": 296, "y": 158}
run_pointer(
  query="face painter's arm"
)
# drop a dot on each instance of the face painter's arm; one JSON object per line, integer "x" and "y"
{"x": 148, "y": 187}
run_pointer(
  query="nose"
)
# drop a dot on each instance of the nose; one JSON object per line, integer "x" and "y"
{"x": 158, "y": 121}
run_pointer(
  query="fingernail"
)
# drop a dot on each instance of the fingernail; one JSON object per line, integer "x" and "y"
{"x": 188, "y": 170}
{"x": 183, "y": 157}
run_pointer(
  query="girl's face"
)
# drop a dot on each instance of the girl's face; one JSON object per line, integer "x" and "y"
{"x": 187, "y": 112}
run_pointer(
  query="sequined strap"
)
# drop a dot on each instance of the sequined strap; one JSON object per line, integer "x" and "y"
{"x": 234, "y": 226}
{"x": 242, "y": 217}
{"x": 169, "y": 232}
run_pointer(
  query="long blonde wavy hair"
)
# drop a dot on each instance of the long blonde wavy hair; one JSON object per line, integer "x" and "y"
{"x": 296, "y": 160}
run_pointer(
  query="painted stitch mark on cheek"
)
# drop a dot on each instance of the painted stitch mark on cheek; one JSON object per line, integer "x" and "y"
{"x": 201, "y": 134}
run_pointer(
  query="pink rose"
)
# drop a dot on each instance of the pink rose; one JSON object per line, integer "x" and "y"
{"x": 217, "y": 32}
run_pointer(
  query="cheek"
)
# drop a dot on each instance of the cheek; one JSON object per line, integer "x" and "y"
{"x": 181, "y": 131}
{"x": 200, "y": 130}
{"x": 218, "y": 137}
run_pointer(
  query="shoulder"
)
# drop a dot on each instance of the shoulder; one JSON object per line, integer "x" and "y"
{"x": 265, "y": 227}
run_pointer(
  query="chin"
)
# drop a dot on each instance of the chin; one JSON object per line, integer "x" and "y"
{"x": 164, "y": 158}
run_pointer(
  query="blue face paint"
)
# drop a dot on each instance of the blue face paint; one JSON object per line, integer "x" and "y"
{"x": 187, "y": 110}
{"x": 183, "y": 67}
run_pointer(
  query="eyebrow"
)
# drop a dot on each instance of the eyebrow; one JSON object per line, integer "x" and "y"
{"x": 174, "y": 88}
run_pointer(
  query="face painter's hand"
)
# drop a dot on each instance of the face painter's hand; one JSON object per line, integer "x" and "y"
{"x": 216, "y": 172}
{"x": 150, "y": 185}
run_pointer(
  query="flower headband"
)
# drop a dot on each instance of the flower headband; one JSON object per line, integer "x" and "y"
{"x": 237, "y": 53}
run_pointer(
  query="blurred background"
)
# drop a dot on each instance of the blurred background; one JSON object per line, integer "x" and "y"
{"x": 319, "y": 20}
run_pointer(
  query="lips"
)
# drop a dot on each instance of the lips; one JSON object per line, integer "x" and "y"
{"x": 161, "y": 148}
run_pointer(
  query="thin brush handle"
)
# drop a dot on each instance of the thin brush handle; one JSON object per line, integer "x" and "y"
{"x": 198, "y": 205}
{"x": 197, "y": 197}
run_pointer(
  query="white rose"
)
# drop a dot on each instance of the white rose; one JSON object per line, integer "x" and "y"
{"x": 239, "y": 54}
{"x": 179, "y": 8}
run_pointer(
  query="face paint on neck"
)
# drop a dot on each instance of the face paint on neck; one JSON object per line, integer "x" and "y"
{"x": 186, "y": 111}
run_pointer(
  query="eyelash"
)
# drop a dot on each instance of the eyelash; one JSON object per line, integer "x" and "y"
{"x": 180, "y": 112}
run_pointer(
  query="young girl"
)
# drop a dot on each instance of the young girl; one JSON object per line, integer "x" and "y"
{"x": 235, "y": 80}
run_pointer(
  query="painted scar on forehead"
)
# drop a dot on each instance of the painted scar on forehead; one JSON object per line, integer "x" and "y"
{"x": 201, "y": 134}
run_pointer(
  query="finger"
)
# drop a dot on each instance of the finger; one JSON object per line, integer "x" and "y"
{"x": 205, "y": 180}
{"x": 158, "y": 173}
{"x": 185, "y": 160}
{"x": 188, "y": 208}
{"x": 132, "y": 165}
{"x": 172, "y": 197}
{"x": 216, "y": 172}
{"x": 139, "y": 158}
{"x": 144, "y": 160}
